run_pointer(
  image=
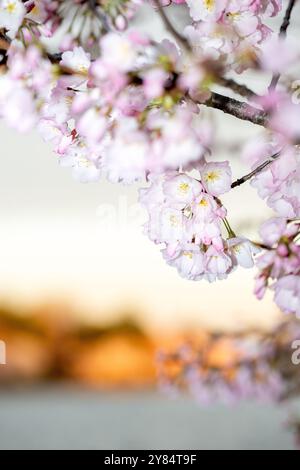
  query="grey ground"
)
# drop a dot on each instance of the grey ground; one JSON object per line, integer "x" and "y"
{"x": 64, "y": 417}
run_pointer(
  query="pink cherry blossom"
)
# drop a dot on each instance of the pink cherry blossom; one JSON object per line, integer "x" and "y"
{"x": 272, "y": 230}
{"x": 77, "y": 60}
{"x": 287, "y": 294}
{"x": 279, "y": 265}
{"x": 118, "y": 52}
{"x": 206, "y": 10}
{"x": 242, "y": 251}
{"x": 12, "y": 13}
{"x": 216, "y": 178}
{"x": 279, "y": 184}
{"x": 277, "y": 55}
{"x": 154, "y": 81}
{"x": 217, "y": 262}
{"x": 189, "y": 262}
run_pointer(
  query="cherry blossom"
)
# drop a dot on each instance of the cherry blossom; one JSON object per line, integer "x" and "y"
{"x": 116, "y": 103}
{"x": 279, "y": 184}
{"x": 76, "y": 60}
{"x": 287, "y": 294}
{"x": 207, "y": 10}
{"x": 216, "y": 178}
{"x": 12, "y": 13}
{"x": 279, "y": 263}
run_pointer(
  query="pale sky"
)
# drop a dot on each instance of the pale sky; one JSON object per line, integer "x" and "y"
{"x": 62, "y": 240}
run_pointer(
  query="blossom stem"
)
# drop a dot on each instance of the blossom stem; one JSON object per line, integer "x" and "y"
{"x": 287, "y": 18}
{"x": 93, "y": 5}
{"x": 282, "y": 34}
{"x": 230, "y": 232}
{"x": 170, "y": 28}
{"x": 261, "y": 245}
{"x": 257, "y": 170}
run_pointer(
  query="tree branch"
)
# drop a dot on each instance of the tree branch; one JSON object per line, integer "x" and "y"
{"x": 170, "y": 28}
{"x": 257, "y": 170}
{"x": 238, "y": 109}
{"x": 240, "y": 89}
{"x": 282, "y": 34}
{"x": 287, "y": 18}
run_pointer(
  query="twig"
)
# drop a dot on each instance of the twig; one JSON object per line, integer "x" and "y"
{"x": 287, "y": 18}
{"x": 263, "y": 246}
{"x": 257, "y": 170}
{"x": 282, "y": 34}
{"x": 94, "y": 7}
{"x": 169, "y": 27}
{"x": 238, "y": 109}
{"x": 240, "y": 89}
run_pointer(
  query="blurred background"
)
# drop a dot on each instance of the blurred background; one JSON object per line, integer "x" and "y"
{"x": 86, "y": 302}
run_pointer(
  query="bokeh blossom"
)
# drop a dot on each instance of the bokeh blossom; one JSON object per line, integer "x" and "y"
{"x": 230, "y": 368}
{"x": 279, "y": 264}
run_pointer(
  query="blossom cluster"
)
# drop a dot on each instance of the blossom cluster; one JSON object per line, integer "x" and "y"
{"x": 230, "y": 368}
{"x": 231, "y": 30}
{"x": 280, "y": 264}
{"x": 279, "y": 183}
{"x": 25, "y": 87}
{"x": 83, "y": 21}
{"x": 113, "y": 115}
{"x": 186, "y": 216}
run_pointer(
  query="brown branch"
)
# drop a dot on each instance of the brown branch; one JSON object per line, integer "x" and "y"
{"x": 240, "y": 89}
{"x": 238, "y": 109}
{"x": 287, "y": 18}
{"x": 170, "y": 28}
{"x": 282, "y": 34}
{"x": 257, "y": 170}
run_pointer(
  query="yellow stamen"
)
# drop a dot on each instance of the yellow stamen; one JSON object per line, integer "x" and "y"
{"x": 36, "y": 10}
{"x": 82, "y": 69}
{"x": 209, "y": 4}
{"x": 184, "y": 187}
{"x": 212, "y": 176}
{"x": 233, "y": 16}
{"x": 173, "y": 220}
{"x": 84, "y": 162}
{"x": 203, "y": 202}
{"x": 11, "y": 7}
